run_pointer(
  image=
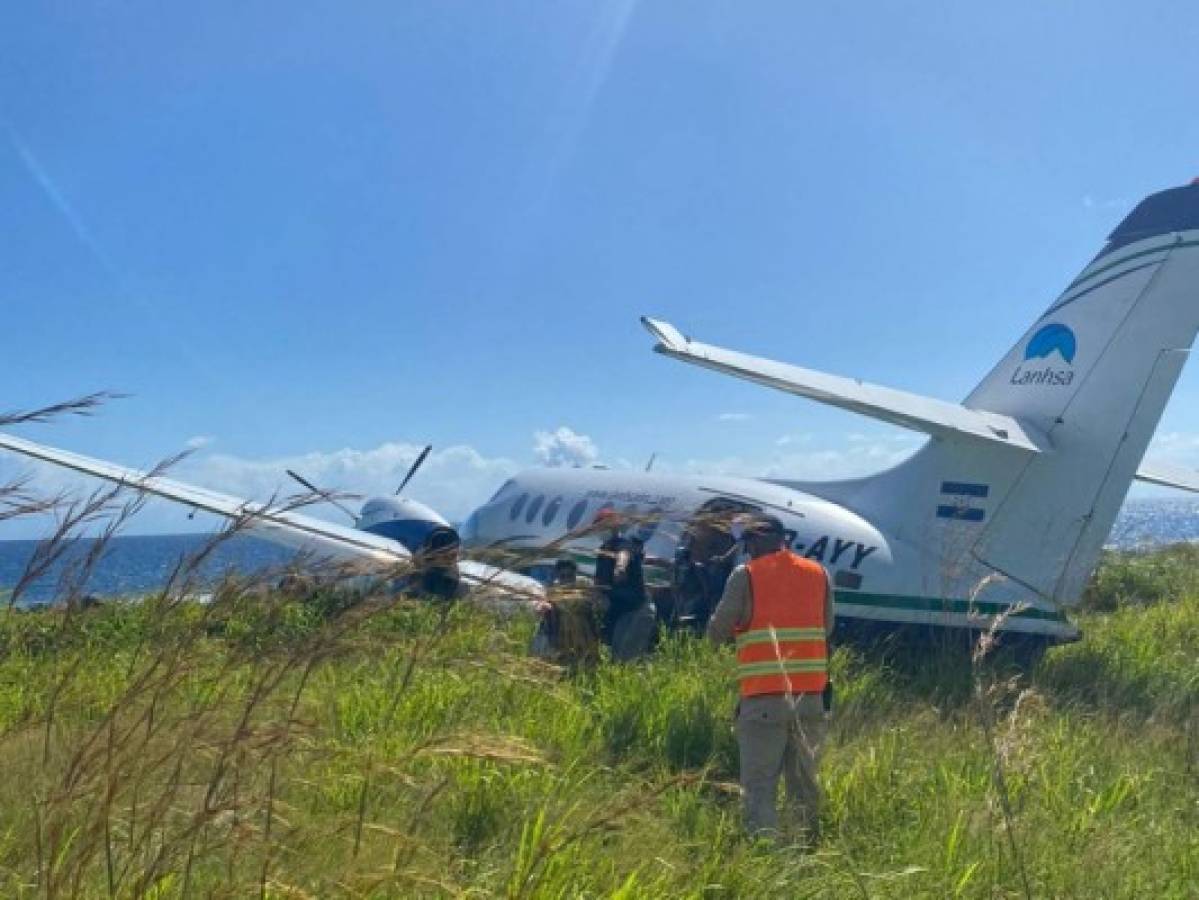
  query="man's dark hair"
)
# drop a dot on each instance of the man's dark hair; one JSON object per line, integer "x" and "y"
{"x": 764, "y": 534}
{"x": 765, "y": 525}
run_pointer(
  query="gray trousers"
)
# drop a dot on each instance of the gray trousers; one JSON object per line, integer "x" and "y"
{"x": 780, "y": 735}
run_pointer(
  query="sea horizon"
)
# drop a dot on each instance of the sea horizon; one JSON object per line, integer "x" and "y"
{"x": 135, "y": 564}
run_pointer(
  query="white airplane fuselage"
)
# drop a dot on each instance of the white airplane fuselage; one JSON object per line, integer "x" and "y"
{"x": 876, "y": 576}
{"x": 557, "y": 501}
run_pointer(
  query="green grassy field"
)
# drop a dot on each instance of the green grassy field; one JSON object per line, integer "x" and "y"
{"x": 273, "y": 747}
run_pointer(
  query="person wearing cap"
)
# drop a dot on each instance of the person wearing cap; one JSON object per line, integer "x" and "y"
{"x": 435, "y": 572}
{"x": 703, "y": 561}
{"x": 778, "y": 608}
{"x": 629, "y": 617}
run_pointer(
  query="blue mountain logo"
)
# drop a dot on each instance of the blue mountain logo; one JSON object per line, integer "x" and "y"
{"x": 1052, "y": 337}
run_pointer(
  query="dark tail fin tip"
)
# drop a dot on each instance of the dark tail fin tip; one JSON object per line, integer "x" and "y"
{"x": 1175, "y": 209}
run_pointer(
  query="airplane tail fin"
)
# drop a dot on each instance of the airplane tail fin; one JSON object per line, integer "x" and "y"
{"x": 1026, "y": 475}
{"x": 1092, "y": 375}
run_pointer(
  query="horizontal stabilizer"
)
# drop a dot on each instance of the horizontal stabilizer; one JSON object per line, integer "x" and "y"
{"x": 1169, "y": 476}
{"x": 925, "y": 414}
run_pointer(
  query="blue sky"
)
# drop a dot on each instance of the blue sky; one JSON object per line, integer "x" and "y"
{"x": 326, "y": 233}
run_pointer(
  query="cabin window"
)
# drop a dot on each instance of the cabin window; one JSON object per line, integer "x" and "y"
{"x": 576, "y": 515}
{"x": 534, "y": 507}
{"x": 551, "y": 510}
{"x": 518, "y": 506}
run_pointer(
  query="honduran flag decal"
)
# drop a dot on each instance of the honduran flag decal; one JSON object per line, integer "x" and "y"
{"x": 961, "y": 500}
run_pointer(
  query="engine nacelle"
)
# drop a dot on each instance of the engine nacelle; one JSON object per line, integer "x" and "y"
{"x": 410, "y": 522}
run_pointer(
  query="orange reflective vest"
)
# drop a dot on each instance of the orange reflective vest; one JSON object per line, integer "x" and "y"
{"x": 784, "y": 649}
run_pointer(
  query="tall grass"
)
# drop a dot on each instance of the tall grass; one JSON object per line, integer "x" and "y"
{"x": 1143, "y": 577}
{"x": 320, "y": 742}
{"x": 185, "y": 752}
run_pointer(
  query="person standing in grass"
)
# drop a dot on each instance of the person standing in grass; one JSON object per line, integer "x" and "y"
{"x": 778, "y": 608}
{"x": 568, "y": 631}
{"x": 629, "y": 616}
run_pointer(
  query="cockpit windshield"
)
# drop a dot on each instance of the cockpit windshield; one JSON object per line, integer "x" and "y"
{"x": 503, "y": 487}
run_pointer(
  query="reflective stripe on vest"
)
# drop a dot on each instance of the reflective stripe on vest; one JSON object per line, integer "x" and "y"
{"x": 783, "y": 649}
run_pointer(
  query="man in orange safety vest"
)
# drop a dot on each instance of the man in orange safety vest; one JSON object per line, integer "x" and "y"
{"x": 779, "y": 609}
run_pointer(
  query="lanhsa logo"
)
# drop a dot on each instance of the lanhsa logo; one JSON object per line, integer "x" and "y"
{"x": 1050, "y": 339}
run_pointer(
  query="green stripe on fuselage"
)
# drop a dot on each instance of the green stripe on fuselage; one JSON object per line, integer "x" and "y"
{"x": 933, "y": 605}
{"x": 943, "y": 605}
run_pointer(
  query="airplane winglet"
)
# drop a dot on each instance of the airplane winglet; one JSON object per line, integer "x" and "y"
{"x": 924, "y": 414}
{"x": 669, "y": 337}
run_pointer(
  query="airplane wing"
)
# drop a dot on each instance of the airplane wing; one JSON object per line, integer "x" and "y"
{"x": 925, "y": 414}
{"x": 1169, "y": 476}
{"x": 325, "y": 540}
{"x": 292, "y": 529}
{"x": 484, "y": 579}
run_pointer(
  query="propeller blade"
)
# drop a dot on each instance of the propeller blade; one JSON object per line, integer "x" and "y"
{"x": 325, "y": 494}
{"x": 649, "y": 465}
{"x": 412, "y": 471}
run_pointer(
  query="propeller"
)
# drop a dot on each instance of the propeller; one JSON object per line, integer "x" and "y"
{"x": 324, "y": 494}
{"x": 649, "y": 465}
{"x": 412, "y": 471}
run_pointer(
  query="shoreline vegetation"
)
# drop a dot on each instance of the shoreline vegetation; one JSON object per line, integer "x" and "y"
{"x": 296, "y": 738}
{"x": 312, "y": 743}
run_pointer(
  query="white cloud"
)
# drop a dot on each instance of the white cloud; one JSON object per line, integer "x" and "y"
{"x": 452, "y": 481}
{"x": 1175, "y": 443}
{"x": 858, "y": 438}
{"x": 564, "y": 447}
{"x": 199, "y": 441}
{"x": 734, "y": 417}
{"x": 790, "y": 440}
{"x": 1090, "y": 202}
{"x": 1176, "y": 448}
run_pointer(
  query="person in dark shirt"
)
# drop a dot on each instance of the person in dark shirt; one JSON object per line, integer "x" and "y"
{"x": 435, "y": 568}
{"x": 629, "y": 617}
{"x": 688, "y": 589}
{"x": 566, "y": 572}
{"x": 703, "y": 561}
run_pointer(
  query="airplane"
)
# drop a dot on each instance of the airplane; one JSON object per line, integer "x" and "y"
{"x": 995, "y": 522}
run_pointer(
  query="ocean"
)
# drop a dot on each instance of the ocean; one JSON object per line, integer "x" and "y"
{"x": 135, "y": 564}
{"x": 139, "y": 564}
